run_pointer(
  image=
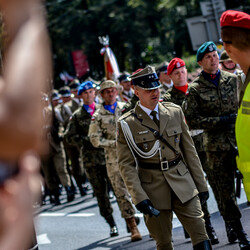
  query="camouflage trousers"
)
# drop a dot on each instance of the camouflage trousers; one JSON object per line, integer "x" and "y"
{"x": 121, "y": 192}
{"x": 97, "y": 175}
{"x": 221, "y": 172}
{"x": 198, "y": 142}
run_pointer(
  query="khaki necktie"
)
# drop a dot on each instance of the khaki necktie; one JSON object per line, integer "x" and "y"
{"x": 154, "y": 114}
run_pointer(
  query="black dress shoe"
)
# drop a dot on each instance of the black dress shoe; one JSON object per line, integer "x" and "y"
{"x": 231, "y": 234}
{"x": 114, "y": 231}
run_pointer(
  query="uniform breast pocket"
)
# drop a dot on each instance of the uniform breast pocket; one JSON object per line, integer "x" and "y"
{"x": 145, "y": 141}
{"x": 174, "y": 133}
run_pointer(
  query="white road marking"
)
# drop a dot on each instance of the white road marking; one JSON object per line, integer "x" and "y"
{"x": 66, "y": 215}
{"x": 43, "y": 239}
{"x": 81, "y": 215}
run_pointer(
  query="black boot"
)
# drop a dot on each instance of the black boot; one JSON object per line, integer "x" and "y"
{"x": 70, "y": 194}
{"x": 231, "y": 234}
{"x": 210, "y": 232}
{"x": 204, "y": 245}
{"x": 56, "y": 198}
{"x": 137, "y": 220}
{"x": 244, "y": 242}
{"x": 113, "y": 227}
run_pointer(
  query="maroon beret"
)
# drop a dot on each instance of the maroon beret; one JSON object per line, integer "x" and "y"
{"x": 175, "y": 63}
{"x": 235, "y": 18}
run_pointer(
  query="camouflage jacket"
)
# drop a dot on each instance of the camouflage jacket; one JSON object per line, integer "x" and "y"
{"x": 102, "y": 131}
{"x": 77, "y": 134}
{"x": 174, "y": 95}
{"x": 204, "y": 106}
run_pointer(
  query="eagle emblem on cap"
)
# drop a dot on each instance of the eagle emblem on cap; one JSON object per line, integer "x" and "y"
{"x": 178, "y": 65}
{"x": 210, "y": 47}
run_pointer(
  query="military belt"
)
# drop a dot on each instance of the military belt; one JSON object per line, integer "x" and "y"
{"x": 164, "y": 165}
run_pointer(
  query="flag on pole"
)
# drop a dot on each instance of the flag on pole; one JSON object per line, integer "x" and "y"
{"x": 112, "y": 71}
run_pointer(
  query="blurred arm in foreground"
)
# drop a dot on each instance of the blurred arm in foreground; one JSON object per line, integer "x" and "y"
{"x": 25, "y": 74}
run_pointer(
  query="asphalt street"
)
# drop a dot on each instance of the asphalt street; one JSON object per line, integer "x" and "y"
{"x": 78, "y": 226}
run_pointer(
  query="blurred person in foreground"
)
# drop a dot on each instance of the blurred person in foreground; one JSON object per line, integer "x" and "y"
{"x": 26, "y": 70}
{"x": 235, "y": 33}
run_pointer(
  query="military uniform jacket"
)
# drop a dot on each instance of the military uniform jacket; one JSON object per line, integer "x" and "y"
{"x": 174, "y": 95}
{"x": 77, "y": 134}
{"x": 186, "y": 180}
{"x": 206, "y": 103}
{"x": 102, "y": 131}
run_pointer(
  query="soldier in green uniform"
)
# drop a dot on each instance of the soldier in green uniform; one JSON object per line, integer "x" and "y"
{"x": 211, "y": 104}
{"x": 160, "y": 166}
{"x": 164, "y": 79}
{"x": 54, "y": 162}
{"x": 67, "y": 108}
{"x": 178, "y": 74}
{"x": 102, "y": 132}
{"x": 93, "y": 158}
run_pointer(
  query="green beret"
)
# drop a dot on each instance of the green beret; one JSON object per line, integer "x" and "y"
{"x": 204, "y": 49}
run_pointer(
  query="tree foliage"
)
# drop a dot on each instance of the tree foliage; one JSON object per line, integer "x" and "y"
{"x": 141, "y": 31}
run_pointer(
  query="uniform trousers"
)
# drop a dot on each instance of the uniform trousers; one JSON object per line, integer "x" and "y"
{"x": 220, "y": 173}
{"x": 76, "y": 164}
{"x": 97, "y": 175}
{"x": 55, "y": 163}
{"x": 189, "y": 214}
{"x": 120, "y": 191}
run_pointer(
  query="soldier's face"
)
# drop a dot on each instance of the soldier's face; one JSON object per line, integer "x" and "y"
{"x": 163, "y": 77}
{"x": 126, "y": 85}
{"x": 109, "y": 95}
{"x": 179, "y": 76}
{"x": 210, "y": 62}
{"x": 88, "y": 96}
{"x": 148, "y": 98}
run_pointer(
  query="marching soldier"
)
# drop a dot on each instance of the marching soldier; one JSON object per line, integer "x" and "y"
{"x": 93, "y": 158}
{"x": 211, "y": 104}
{"x": 127, "y": 92}
{"x": 164, "y": 79}
{"x": 178, "y": 74}
{"x": 54, "y": 162}
{"x": 67, "y": 108}
{"x": 102, "y": 132}
{"x": 160, "y": 166}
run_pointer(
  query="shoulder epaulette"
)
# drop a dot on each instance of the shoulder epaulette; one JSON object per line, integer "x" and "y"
{"x": 126, "y": 114}
{"x": 170, "y": 104}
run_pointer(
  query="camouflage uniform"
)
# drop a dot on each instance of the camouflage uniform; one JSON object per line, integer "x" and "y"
{"x": 176, "y": 96}
{"x": 93, "y": 158}
{"x": 204, "y": 107}
{"x": 102, "y": 134}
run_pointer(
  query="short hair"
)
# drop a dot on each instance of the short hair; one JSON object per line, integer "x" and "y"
{"x": 239, "y": 37}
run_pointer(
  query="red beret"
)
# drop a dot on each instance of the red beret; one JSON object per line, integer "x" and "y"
{"x": 175, "y": 63}
{"x": 235, "y": 18}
